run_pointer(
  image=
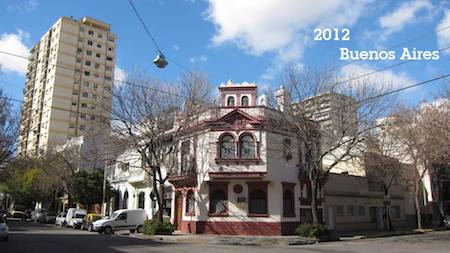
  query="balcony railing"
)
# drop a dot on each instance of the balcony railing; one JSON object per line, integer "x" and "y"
{"x": 181, "y": 178}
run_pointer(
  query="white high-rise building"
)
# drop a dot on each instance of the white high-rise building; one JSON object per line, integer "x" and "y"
{"x": 69, "y": 77}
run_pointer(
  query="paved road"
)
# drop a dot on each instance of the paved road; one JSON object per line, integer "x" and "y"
{"x": 35, "y": 238}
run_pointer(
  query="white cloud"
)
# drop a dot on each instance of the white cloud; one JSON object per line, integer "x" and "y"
{"x": 280, "y": 27}
{"x": 444, "y": 35}
{"x": 23, "y": 5}
{"x": 198, "y": 59}
{"x": 383, "y": 80}
{"x": 14, "y": 43}
{"x": 175, "y": 47}
{"x": 119, "y": 75}
{"x": 407, "y": 13}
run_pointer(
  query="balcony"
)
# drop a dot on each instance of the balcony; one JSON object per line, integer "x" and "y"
{"x": 138, "y": 176}
{"x": 183, "y": 178}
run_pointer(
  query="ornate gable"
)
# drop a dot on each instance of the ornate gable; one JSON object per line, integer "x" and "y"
{"x": 237, "y": 119}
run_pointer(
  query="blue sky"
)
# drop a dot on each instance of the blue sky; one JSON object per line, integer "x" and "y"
{"x": 250, "y": 40}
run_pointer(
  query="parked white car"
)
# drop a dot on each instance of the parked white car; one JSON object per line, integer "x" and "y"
{"x": 49, "y": 217}
{"x": 60, "y": 219}
{"x": 4, "y": 229}
{"x": 124, "y": 219}
{"x": 37, "y": 215}
{"x": 74, "y": 217}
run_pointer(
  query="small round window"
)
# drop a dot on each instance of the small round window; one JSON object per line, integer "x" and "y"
{"x": 237, "y": 188}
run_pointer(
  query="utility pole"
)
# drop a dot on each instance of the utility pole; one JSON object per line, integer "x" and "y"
{"x": 104, "y": 202}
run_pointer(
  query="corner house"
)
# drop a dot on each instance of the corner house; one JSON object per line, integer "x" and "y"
{"x": 238, "y": 175}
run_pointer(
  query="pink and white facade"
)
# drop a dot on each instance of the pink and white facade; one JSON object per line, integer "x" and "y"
{"x": 236, "y": 175}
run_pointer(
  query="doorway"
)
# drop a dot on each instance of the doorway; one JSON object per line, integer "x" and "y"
{"x": 178, "y": 210}
{"x": 331, "y": 218}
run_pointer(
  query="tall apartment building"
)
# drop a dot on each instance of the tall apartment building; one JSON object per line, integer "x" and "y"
{"x": 68, "y": 84}
{"x": 334, "y": 112}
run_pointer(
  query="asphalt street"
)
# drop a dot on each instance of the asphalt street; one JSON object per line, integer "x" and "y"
{"x": 27, "y": 237}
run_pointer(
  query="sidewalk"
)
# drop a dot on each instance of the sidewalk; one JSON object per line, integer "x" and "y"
{"x": 269, "y": 240}
{"x": 230, "y": 239}
{"x": 377, "y": 234}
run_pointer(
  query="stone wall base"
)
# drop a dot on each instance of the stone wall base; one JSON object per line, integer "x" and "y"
{"x": 239, "y": 227}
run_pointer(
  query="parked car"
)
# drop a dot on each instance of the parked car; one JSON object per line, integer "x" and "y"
{"x": 124, "y": 219}
{"x": 75, "y": 217}
{"x": 28, "y": 214}
{"x": 17, "y": 211}
{"x": 60, "y": 219}
{"x": 49, "y": 217}
{"x": 3, "y": 212}
{"x": 447, "y": 222}
{"x": 4, "y": 229}
{"x": 36, "y": 215}
{"x": 88, "y": 220}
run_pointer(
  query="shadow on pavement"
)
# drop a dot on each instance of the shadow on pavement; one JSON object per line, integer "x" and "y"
{"x": 46, "y": 238}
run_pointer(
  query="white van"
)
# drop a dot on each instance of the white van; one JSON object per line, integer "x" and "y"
{"x": 74, "y": 217}
{"x": 124, "y": 219}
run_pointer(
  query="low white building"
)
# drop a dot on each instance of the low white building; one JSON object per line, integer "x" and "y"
{"x": 132, "y": 185}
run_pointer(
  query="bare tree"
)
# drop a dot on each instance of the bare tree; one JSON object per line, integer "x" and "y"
{"x": 305, "y": 93}
{"x": 436, "y": 129}
{"x": 409, "y": 132}
{"x": 149, "y": 116}
{"x": 8, "y": 129}
{"x": 381, "y": 161}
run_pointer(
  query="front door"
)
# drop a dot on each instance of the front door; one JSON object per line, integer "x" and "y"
{"x": 331, "y": 218}
{"x": 178, "y": 210}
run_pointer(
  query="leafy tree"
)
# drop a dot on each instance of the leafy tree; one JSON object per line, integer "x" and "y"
{"x": 31, "y": 180}
{"x": 8, "y": 129}
{"x": 86, "y": 187}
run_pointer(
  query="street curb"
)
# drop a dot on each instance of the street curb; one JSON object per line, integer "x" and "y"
{"x": 234, "y": 241}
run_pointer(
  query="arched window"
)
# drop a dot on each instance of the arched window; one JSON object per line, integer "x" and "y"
{"x": 227, "y": 147}
{"x": 141, "y": 200}
{"x": 218, "y": 202}
{"x": 230, "y": 101}
{"x": 286, "y": 149}
{"x": 190, "y": 203}
{"x": 244, "y": 101}
{"x": 247, "y": 147}
{"x": 116, "y": 200}
{"x": 185, "y": 151}
{"x": 125, "y": 200}
{"x": 288, "y": 203}
{"x": 258, "y": 202}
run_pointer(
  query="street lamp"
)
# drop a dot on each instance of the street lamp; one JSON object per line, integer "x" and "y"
{"x": 160, "y": 61}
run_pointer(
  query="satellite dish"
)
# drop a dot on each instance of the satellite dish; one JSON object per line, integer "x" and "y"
{"x": 160, "y": 61}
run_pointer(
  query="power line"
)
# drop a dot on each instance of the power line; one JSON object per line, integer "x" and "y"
{"x": 154, "y": 41}
{"x": 144, "y": 25}
{"x": 114, "y": 80}
{"x": 182, "y": 96}
{"x": 336, "y": 108}
{"x": 331, "y": 69}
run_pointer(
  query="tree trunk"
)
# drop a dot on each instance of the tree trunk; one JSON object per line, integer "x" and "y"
{"x": 417, "y": 204}
{"x": 387, "y": 213}
{"x": 313, "y": 201}
{"x": 161, "y": 192}
{"x": 157, "y": 195}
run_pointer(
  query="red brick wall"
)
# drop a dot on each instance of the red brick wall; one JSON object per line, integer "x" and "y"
{"x": 238, "y": 228}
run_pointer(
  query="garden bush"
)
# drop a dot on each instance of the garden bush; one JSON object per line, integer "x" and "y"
{"x": 154, "y": 227}
{"x": 310, "y": 230}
